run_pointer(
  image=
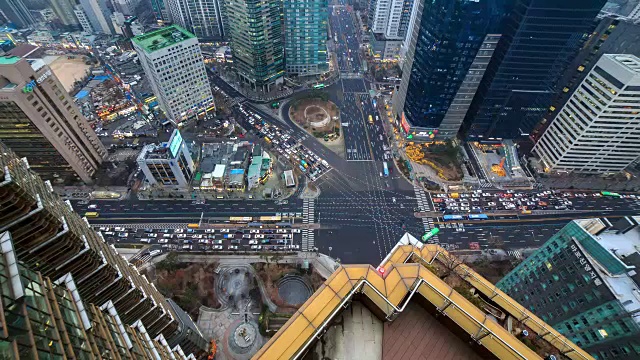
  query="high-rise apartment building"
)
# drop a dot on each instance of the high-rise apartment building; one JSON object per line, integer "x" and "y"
{"x": 50, "y": 238}
{"x": 583, "y": 282}
{"x": 449, "y": 51}
{"x": 173, "y": 63}
{"x": 39, "y": 120}
{"x": 17, "y": 13}
{"x": 169, "y": 164}
{"x": 64, "y": 10}
{"x": 82, "y": 19}
{"x": 598, "y": 129}
{"x": 305, "y": 37}
{"x": 206, "y": 19}
{"x": 99, "y": 15}
{"x": 390, "y": 23}
{"x": 539, "y": 40}
{"x": 255, "y": 31}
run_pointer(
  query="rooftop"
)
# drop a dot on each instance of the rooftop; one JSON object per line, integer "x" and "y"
{"x": 630, "y": 61}
{"x": 162, "y": 38}
{"x": 9, "y": 60}
{"x": 410, "y": 275}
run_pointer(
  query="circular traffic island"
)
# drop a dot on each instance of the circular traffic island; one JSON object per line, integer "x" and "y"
{"x": 319, "y": 117}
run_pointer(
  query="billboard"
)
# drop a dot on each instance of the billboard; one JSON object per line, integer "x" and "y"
{"x": 404, "y": 124}
{"x": 176, "y": 142}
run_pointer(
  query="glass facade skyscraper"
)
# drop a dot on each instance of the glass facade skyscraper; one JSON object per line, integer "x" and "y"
{"x": 582, "y": 282}
{"x": 445, "y": 41}
{"x": 305, "y": 34}
{"x": 539, "y": 40}
{"x": 255, "y": 31}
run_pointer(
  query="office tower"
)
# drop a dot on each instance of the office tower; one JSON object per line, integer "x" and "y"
{"x": 389, "y": 22}
{"x": 255, "y": 31}
{"x": 39, "y": 120}
{"x": 432, "y": 306}
{"x": 169, "y": 164}
{"x": 540, "y": 39}
{"x": 99, "y": 15}
{"x": 50, "y": 238}
{"x": 82, "y": 19}
{"x": 612, "y": 35}
{"x": 305, "y": 37}
{"x": 448, "y": 53}
{"x": 598, "y": 129}
{"x": 583, "y": 281}
{"x": 17, "y": 13}
{"x": 64, "y": 10}
{"x": 173, "y": 63}
{"x": 206, "y": 19}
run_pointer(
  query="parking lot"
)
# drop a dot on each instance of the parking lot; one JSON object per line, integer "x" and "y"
{"x": 526, "y": 203}
{"x": 236, "y": 237}
{"x": 284, "y": 143}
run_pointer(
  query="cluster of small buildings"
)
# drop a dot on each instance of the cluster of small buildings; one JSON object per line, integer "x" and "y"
{"x": 232, "y": 167}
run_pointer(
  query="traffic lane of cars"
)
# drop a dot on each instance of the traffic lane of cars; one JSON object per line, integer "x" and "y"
{"x": 226, "y": 239}
{"x": 282, "y": 142}
{"x": 486, "y": 201}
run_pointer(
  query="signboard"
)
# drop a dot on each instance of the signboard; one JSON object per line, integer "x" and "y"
{"x": 176, "y": 142}
{"x": 404, "y": 123}
{"x": 32, "y": 84}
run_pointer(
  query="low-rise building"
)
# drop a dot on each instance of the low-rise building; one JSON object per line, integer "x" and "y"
{"x": 289, "y": 179}
{"x": 168, "y": 165}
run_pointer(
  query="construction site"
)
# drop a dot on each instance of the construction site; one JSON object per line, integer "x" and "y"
{"x": 499, "y": 163}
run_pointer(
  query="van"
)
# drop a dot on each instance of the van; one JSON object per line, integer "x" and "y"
{"x": 145, "y": 240}
{"x": 155, "y": 253}
{"x": 167, "y": 236}
{"x": 91, "y": 207}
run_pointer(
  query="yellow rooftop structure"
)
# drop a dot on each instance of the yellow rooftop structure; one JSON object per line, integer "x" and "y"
{"x": 413, "y": 270}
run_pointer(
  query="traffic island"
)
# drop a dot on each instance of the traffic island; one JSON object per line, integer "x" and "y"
{"x": 320, "y": 118}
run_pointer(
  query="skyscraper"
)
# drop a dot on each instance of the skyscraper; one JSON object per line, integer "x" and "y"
{"x": 539, "y": 40}
{"x": 17, "y": 13}
{"x": 206, "y": 19}
{"x": 64, "y": 11}
{"x": 50, "y": 238}
{"x": 389, "y": 21}
{"x": 169, "y": 164}
{"x": 99, "y": 15}
{"x": 173, "y": 63}
{"x": 598, "y": 129}
{"x": 39, "y": 120}
{"x": 583, "y": 282}
{"x": 446, "y": 40}
{"x": 82, "y": 19}
{"x": 255, "y": 31}
{"x": 305, "y": 36}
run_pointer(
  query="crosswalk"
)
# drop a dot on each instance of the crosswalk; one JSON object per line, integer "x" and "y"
{"x": 308, "y": 217}
{"x": 425, "y": 205}
{"x": 515, "y": 253}
{"x": 484, "y": 184}
{"x": 237, "y": 100}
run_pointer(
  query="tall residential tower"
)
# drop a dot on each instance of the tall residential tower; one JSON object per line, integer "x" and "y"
{"x": 206, "y": 19}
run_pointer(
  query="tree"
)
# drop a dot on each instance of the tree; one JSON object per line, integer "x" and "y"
{"x": 170, "y": 263}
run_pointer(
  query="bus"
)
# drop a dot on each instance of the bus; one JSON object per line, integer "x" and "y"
{"x": 319, "y": 86}
{"x": 452, "y": 217}
{"x": 91, "y": 214}
{"x": 478, "y": 217}
{"x": 430, "y": 234}
{"x": 370, "y": 119}
{"x": 193, "y": 226}
{"x": 304, "y": 163}
{"x": 608, "y": 193}
{"x": 385, "y": 169}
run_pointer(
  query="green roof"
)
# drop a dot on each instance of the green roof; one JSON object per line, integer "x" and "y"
{"x": 161, "y": 38}
{"x": 8, "y": 60}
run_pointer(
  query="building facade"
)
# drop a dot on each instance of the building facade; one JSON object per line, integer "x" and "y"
{"x": 173, "y": 63}
{"x": 539, "y": 40}
{"x": 206, "y": 19}
{"x": 255, "y": 32}
{"x": 446, "y": 39}
{"x": 305, "y": 37}
{"x": 50, "y": 238}
{"x": 169, "y": 164}
{"x": 598, "y": 129}
{"x": 98, "y": 15}
{"x": 391, "y": 18}
{"x": 64, "y": 10}
{"x": 17, "y": 13}
{"x": 582, "y": 281}
{"x": 39, "y": 120}
{"x": 82, "y": 19}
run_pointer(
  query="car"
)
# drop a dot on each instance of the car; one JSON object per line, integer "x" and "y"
{"x": 209, "y": 230}
{"x": 145, "y": 240}
{"x": 92, "y": 206}
{"x": 178, "y": 231}
{"x": 163, "y": 241}
{"x": 152, "y": 235}
{"x": 103, "y": 228}
{"x": 294, "y": 246}
{"x": 253, "y": 242}
{"x": 224, "y": 230}
{"x": 256, "y": 247}
{"x": 155, "y": 253}
{"x": 232, "y": 247}
{"x": 119, "y": 229}
{"x": 259, "y": 236}
{"x": 254, "y": 231}
{"x": 187, "y": 247}
{"x": 217, "y": 242}
{"x": 181, "y": 235}
{"x": 217, "y": 247}
{"x": 123, "y": 234}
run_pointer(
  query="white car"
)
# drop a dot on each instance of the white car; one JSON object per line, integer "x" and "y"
{"x": 163, "y": 241}
{"x": 253, "y": 242}
{"x": 224, "y": 230}
{"x": 119, "y": 229}
{"x": 256, "y": 247}
{"x": 259, "y": 236}
{"x": 254, "y": 231}
{"x": 209, "y": 230}
{"x": 233, "y": 247}
{"x": 145, "y": 240}
{"x": 181, "y": 235}
{"x": 217, "y": 247}
{"x": 103, "y": 228}
{"x": 92, "y": 206}
{"x": 178, "y": 231}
